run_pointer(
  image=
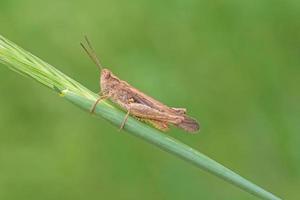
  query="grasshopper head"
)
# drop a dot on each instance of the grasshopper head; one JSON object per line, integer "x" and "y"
{"x": 107, "y": 81}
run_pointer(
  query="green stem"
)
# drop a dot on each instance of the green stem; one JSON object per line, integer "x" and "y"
{"x": 27, "y": 64}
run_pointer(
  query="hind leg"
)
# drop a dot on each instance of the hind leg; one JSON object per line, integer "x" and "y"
{"x": 179, "y": 110}
{"x": 146, "y": 112}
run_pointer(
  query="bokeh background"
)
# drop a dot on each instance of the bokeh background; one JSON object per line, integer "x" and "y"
{"x": 234, "y": 65}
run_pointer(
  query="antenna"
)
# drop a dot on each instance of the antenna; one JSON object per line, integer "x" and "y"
{"x": 91, "y": 52}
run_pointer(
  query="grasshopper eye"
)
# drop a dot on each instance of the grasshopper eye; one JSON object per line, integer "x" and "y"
{"x": 105, "y": 74}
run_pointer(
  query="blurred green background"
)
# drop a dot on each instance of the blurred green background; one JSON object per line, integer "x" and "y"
{"x": 233, "y": 64}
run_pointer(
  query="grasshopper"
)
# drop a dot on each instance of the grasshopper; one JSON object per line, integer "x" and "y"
{"x": 136, "y": 103}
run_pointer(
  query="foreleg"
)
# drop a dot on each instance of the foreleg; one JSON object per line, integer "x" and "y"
{"x": 101, "y": 98}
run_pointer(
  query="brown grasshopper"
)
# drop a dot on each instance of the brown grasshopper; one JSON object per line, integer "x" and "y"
{"x": 136, "y": 103}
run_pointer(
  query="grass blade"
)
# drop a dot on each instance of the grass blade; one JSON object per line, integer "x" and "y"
{"x": 29, "y": 65}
